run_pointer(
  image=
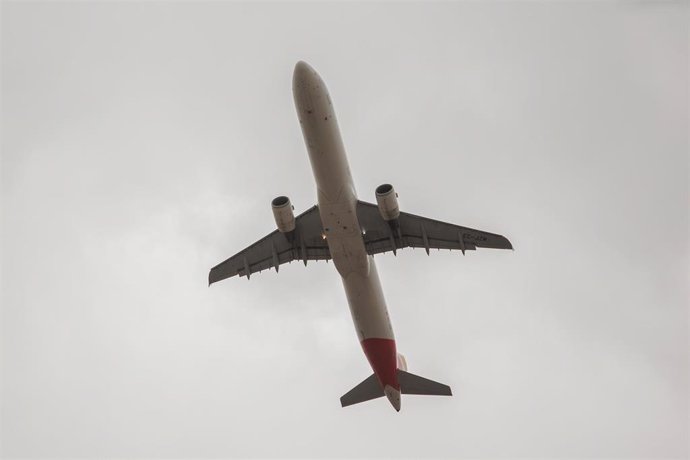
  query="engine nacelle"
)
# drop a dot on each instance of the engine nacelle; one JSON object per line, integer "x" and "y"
{"x": 282, "y": 212}
{"x": 387, "y": 200}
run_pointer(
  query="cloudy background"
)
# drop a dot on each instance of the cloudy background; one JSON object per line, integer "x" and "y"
{"x": 142, "y": 144}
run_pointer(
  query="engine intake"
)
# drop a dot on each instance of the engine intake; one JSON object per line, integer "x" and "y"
{"x": 282, "y": 212}
{"x": 387, "y": 200}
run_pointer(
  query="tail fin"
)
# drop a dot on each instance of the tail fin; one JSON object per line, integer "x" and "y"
{"x": 402, "y": 362}
{"x": 370, "y": 388}
{"x": 410, "y": 384}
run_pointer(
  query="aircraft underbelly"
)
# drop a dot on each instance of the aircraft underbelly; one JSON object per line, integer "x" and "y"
{"x": 367, "y": 304}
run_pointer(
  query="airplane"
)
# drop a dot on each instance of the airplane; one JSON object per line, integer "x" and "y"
{"x": 349, "y": 231}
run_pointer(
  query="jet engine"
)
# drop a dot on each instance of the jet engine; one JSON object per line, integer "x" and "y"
{"x": 387, "y": 200}
{"x": 282, "y": 212}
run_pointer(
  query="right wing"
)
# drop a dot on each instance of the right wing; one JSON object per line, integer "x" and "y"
{"x": 306, "y": 242}
{"x": 420, "y": 232}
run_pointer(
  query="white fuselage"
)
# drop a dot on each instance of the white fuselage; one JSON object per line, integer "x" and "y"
{"x": 338, "y": 209}
{"x": 337, "y": 205}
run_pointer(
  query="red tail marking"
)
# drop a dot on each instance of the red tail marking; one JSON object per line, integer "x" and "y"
{"x": 383, "y": 358}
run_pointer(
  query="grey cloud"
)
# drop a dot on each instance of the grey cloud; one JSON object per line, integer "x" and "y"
{"x": 142, "y": 143}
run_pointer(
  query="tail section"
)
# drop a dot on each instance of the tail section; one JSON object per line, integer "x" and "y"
{"x": 410, "y": 384}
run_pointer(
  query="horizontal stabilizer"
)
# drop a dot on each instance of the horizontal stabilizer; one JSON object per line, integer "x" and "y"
{"x": 368, "y": 389}
{"x": 411, "y": 384}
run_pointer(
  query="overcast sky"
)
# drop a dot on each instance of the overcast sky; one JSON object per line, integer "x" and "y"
{"x": 142, "y": 144}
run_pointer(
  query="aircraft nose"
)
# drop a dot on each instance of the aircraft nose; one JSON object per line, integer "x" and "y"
{"x": 307, "y": 87}
{"x": 304, "y": 76}
{"x": 302, "y": 68}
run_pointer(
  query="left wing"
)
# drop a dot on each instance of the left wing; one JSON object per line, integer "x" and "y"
{"x": 304, "y": 243}
{"x": 410, "y": 231}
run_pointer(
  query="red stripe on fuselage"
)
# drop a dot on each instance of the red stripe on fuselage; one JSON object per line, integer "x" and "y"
{"x": 383, "y": 359}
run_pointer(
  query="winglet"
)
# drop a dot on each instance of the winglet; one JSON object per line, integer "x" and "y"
{"x": 211, "y": 279}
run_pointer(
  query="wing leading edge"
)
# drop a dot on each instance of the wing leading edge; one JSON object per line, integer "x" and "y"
{"x": 412, "y": 231}
{"x": 304, "y": 243}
